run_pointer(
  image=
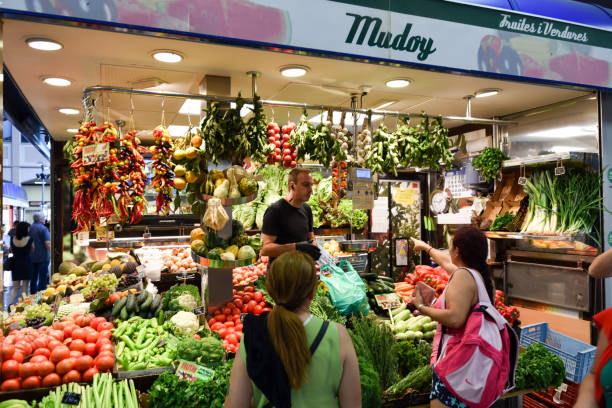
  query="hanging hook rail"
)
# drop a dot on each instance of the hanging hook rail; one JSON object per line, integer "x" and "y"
{"x": 213, "y": 98}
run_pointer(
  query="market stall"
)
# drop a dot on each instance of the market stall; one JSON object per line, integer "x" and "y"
{"x": 165, "y": 222}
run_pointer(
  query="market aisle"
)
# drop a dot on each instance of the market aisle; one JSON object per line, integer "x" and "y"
{"x": 576, "y": 328}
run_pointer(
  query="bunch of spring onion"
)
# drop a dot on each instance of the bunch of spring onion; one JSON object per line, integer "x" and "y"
{"x": 103, "y": 393}
{"x": 562, "y": 205}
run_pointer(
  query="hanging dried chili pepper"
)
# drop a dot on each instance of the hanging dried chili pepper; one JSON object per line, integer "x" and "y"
{"x": 132, "y": 179}
{"x": 163, "y": 181}
{"x": 84, "y": 179}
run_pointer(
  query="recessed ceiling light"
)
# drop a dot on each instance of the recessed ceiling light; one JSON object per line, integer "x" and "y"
{"x": 72, "y": 130}
{"x": 384, "y": 105}
{"x": 483, "y": 93}
{"x": 57, "y": 81}
{"x": 398, "y": 83}
{"x": 44, "y": 44}
{"x": 69, "y": 111}
{"x": 167, "y": 56}
{"x": 294, "y": 71}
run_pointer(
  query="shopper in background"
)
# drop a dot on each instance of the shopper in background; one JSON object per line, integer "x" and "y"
{"x": 287, "y": 224}
{"x": 288, "y": 357}
{"x": 468, "y": 250}
{"x": 22, "y": 247}
{"x": 596, "y": 388}
{"x": 41, "y": 256}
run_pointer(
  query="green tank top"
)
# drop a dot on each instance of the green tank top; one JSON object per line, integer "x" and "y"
{"x": 605, "y": 379}
{"x": 320, "y": 389}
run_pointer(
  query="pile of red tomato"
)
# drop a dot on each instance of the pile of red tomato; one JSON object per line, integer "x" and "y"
{"x": 226, "y": 320}
{"x": 283, "y": 151}
{"x": 72, "y": 350}
{"x": 247, "y": 274}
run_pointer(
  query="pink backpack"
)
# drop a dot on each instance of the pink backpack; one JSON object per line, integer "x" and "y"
{"x": 476, "y": 363}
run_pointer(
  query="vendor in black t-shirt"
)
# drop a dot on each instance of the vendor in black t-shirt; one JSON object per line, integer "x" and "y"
{"x": 287, "y": 223}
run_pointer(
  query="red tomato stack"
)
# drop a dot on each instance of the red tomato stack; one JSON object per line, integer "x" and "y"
{"x": 73, "y": 350}
{"x": 283, "y": 151}
{"x": 226, "y": 320}
{"x": 247, "y": 274}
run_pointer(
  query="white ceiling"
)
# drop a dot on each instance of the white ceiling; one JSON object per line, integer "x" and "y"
{"x": 91, "y": 57}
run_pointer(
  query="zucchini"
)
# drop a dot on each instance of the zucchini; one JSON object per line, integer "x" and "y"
{"x": 404, "y": 315}
{"x": 395, "y": 312}
{"x": 156, "y": 301}
{"x": 430, "y": 326}
{"x": 385, "y": 278}
{"x": 368, "y": 276}
{"x": 119, "y": 304}
{"x": 147, "y": 303}
{"x": 429, "y": 335}
{"x": 123, "y": 315}
{"x": 142, "y": 296}
{"x": 131, "y": 303}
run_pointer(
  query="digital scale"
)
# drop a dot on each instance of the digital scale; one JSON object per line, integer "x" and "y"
{"x": 361, "y": 188}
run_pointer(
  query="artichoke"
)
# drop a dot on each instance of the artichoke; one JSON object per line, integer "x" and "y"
{"x": 247, "y": 186}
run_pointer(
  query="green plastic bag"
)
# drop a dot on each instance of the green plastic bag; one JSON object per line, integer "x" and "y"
{"x": 346, "y": 289}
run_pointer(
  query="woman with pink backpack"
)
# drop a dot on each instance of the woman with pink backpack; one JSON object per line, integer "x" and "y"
{"x": 474, "y": 350}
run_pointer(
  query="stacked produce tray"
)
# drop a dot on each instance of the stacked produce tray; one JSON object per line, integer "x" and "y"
{"x": 359, "y": 262}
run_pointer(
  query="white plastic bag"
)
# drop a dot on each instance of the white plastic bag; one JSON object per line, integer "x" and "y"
{"x": 215, "y": 216}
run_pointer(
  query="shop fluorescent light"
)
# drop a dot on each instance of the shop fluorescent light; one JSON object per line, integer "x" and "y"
{"x": 168, "y": 56}
{"x": 72, "y": 130}
{"x": 567, "y": 149}
{"x": 178, "y": 130}
{"x": 483, "y": 93}
{"x": 564, "y": 132}
{"x": 384, "y": 105}
{"x": 398, "y": 83}
{"x": 191, "y": 107}
{"x": 294, "y": 71}
{"x": 57, "y": 81}
{"x": 43, "y": 44}
{"x": 69, "y": 111}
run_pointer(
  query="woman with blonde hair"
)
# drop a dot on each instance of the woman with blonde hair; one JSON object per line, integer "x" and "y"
{"x": 288, "y": 357}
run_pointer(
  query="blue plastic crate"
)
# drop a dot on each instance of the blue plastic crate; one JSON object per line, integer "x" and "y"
{"x": 577, "y": 355}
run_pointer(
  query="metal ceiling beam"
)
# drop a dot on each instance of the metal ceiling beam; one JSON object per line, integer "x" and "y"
{"x": 91, "y": 90}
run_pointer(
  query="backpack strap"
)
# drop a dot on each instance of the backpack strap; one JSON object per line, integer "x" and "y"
{"x": 317, "y": 340}
{"x": 313, "y": 348}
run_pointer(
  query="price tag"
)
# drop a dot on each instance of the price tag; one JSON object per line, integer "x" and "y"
{"x": 199, "y": 310}
{"x": 83, "y": 238}
{"x": 71, "y": 398}
{"x": 388, "y": 301}
{"x": 559, "y": 171}
{"x": 103, "y": 235}
{"x": 89, "y": 154}
{"x": 96, "y": 153}
{"x": 522, "y": 181}
{"x": 187, "y": 370}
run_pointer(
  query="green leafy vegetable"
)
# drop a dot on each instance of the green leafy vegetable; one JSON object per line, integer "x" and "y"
{"x": 375, "y": 343}
{"x": 178, "y": 290}
{"x": 501, "y": 221}
{"x": 424, "y": 145}
{"x": 360, "y": 218}
{"x": 168, "y": 391}
{"x": 489, "y": 162}
{"x": 324, "y": 190}
{"x": 371, "y": 391}
{"x": 323, "y": 308}
{"x": 412, "y": 355}
{"x": 418, "y": 380}
{"x": 538, "y": 368}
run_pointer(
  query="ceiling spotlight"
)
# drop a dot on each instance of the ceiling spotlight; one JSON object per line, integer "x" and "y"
{"x": 44, "y": 44}
{"x": 483, "y": 93}
{"x": 398, "y": 83}
{"x": 167, "y": 56}
{"x": 69, "y": 111}
{"x": 294, "y": 71}
{"x": 72, "y": 130}
{"x": 57, "y": 81}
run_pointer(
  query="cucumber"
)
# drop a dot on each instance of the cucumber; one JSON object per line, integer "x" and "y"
{"x": 385, "y": 278}
{"x": 429, "y": 334}
{"x": 131, "y": 302}
{"x": 368, "y": 276}
{"x": 119, "y": 304}
{"x": 123, "y": 315}
{"x": 395, "y": 312}
{"x": 142, "y": 296}
{"x": 147, "y": 303}
{"x": 156, "y": 302}
{"x": 430, "y": 326}
{"x": 404, "y": 315}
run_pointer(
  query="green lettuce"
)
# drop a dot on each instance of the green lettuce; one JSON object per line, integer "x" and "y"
{"x": 325, "y": 190}
{"x": 360, "y": 217}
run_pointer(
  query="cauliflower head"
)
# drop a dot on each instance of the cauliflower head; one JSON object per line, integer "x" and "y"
{"x": 184, "y": 323}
